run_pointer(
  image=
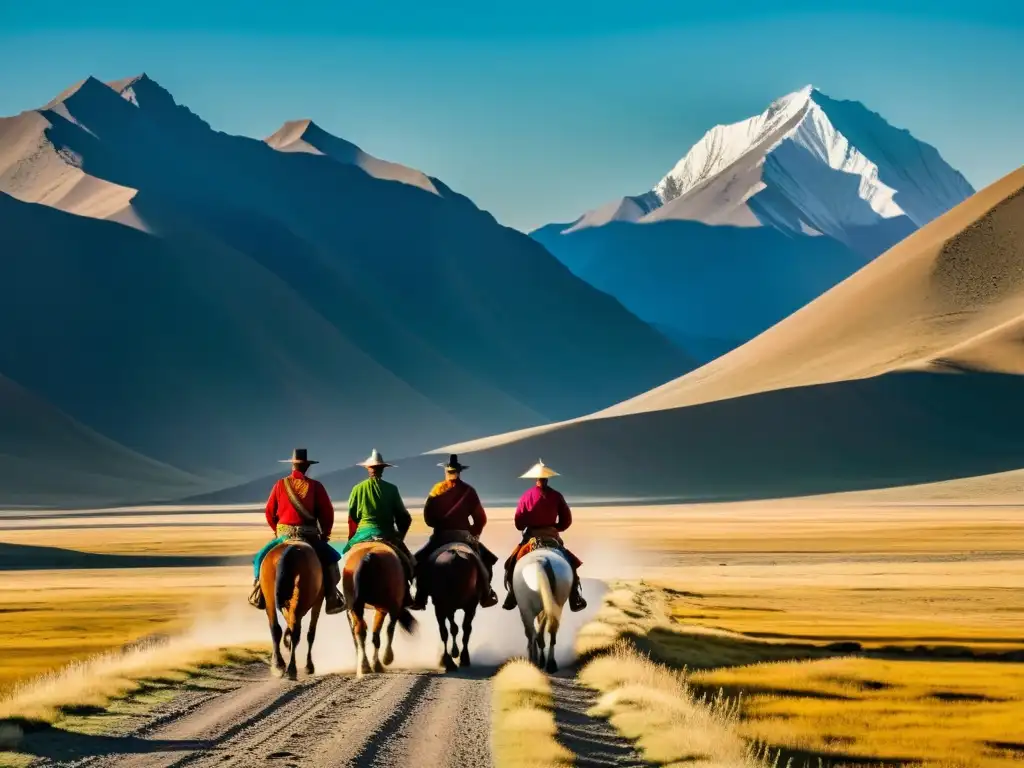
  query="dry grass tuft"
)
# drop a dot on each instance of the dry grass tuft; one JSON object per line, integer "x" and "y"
{"x": 523, "y": 724}
{"x": 654, "y": 706}
{"x": 94, "y": 683}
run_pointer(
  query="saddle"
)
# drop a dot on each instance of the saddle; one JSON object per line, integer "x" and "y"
{"x": 303, "y": 533}
{"x": 407, "y": 559}
{"x": 457, "y": 546}
{"x": 538, "y": 542}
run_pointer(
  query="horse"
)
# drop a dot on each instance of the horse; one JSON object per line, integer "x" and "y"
{"x": 455, "y": 584}
{"x": 292, "y": 581}
{"x": 542, "y": 580}
{"x": 373, "y": 575}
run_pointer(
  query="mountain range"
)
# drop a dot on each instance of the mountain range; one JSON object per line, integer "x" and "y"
{"x": 195, "y": 304}
{"x": 758, "y": 218}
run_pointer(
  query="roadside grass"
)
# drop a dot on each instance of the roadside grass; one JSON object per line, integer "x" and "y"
{"x": 89, "y": 686}
{"x": 921, "y": 712}
{"x": 523, "y": 722}
{"x": 655, "y": 707}
{"x": 808, "y": 691}
{"x": 55, "y": 618}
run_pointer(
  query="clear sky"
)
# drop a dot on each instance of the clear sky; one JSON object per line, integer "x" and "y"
{"x": 540, "y": 109}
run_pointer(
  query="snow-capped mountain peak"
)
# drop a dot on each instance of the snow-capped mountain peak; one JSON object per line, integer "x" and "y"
{"x": 806, "y": 165}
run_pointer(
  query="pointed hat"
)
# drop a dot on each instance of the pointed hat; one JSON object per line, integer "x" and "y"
{"x": 540, "y": 469}
{"x": 375, "y": 460}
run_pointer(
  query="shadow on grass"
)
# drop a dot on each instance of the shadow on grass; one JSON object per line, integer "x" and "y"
{"x": 28, "y": 557}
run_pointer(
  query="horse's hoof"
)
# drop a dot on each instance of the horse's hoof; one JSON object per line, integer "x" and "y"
{"x": 464, "y": 660}
{"x": 448, "y": 663}
{"x": 310, "y": 669}
{"x": 276, "y": 671}
{"x": 365, "y": 668}
{"x": 389, "y": 656}
{"x": 551, "y": 667}
{"x": 293, "y": 674}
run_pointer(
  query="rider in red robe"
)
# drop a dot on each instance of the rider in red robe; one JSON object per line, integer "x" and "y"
{"x": 454, "y": 512}
{"x": 543, "y": 514}
{"x": 299, "y": 508}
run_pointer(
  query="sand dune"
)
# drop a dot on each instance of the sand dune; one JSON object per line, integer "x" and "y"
{"x": 907, "y": 372}
{"x": 950, "y": 296}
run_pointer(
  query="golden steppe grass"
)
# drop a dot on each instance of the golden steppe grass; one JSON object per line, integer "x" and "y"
{"x": 522, "y": 719}
{"x": 54, "y": 618}
{"x": 904, "y": 700}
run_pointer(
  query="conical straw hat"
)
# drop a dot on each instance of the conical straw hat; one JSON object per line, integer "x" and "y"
{"x": 540, "y": 469}
{"x": 375, "y": 460}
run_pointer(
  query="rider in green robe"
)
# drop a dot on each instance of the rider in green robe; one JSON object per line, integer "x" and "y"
{"x": 376, "y": 511}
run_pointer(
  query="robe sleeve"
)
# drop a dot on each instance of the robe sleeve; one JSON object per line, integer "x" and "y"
{"x": 430, "y": 511}
{"x": 403, "y": 520}
{"x": 324, "y": 511}
{"x": 271, "y": 510}
{"x": 564, "y": 514}
{"x": 479, "y": 517}
{"x": 521, "y": 514}
{"x": 353, "y": 512}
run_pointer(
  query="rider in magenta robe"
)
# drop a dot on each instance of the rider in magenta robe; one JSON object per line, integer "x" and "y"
{"x": 543, "y": 513}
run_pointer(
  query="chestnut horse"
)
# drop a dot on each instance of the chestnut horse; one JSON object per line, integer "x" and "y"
{"x": 292, "y": 581}
{"x": 455, "y": 584}
{"x": 374, "y": 576}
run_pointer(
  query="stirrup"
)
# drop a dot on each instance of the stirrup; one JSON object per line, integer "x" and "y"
{"x": 256, "y": 599}
{"x": 489, "y": 599}
{"x": 338, "y": 605}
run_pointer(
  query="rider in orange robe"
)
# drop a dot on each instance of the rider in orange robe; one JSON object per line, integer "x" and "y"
{"x": 454, "y": 512}
{"x": 543, "y": 514}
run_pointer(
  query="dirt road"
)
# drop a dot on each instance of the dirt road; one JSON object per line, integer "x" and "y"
{"x": 395, "y": 719}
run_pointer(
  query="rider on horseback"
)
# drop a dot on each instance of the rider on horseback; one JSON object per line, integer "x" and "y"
{"x": 376, "y": 512}
{"x": 542, "y": 515}
{"x": 299, "y": 508}
{"x": 454, "y": 512}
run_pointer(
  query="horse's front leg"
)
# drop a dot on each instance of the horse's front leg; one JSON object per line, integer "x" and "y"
{"x": 455, "y": 634}
{"x": 467, "y": 628}
{"x": 442, "y": 628}
{"x": 311, "y": 636}
{"x": 378, "y": 624}
{"x": 359, "y": 640}
{"x": 540, "y": 644}
{"x": 531, "y": 645}
{"x": 295, "y": 633}
{"x": 552, "y": 665}
{"x": 277, "y": 665}
{"x": 389, "y": 639}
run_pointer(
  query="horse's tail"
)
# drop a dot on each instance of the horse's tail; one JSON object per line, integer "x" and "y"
{"x": 552, "y": 610}
{"x": 360, "y": 588}
{"x": 361, "y": 582}
{"x": 406, "y": 620}
{"x": 287, "y": 575}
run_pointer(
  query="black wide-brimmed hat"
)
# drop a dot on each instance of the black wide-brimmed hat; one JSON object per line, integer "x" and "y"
{"x": 453, "y": 464}
{"x": 299, "y": 456}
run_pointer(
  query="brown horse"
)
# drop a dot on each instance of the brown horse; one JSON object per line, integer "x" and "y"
{"x": 374, "y": 576}
{"x": 292, "y": 581}
{"x": 455, "y": 584}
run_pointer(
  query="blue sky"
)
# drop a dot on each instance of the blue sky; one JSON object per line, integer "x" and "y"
{"x": 540, "y": 110}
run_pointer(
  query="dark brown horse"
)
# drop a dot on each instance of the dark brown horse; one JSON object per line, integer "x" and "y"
{"x": 455, "y": 584}
{"x": 292, "y": 580}
{"x": 374, "y": 576}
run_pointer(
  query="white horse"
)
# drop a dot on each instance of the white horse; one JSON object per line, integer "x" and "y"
{"x": 541, "y": 582}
